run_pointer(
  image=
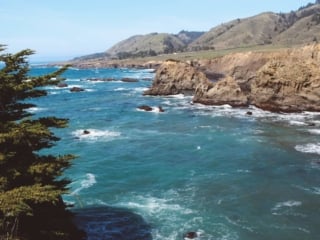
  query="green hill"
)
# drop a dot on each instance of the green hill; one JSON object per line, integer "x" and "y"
{"x": 145, "y": 45}
{"x": 296, "y": 27}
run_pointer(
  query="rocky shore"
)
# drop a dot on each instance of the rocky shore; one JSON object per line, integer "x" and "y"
{"x": 106, "y": 63}
{"x": 280, "y": 81}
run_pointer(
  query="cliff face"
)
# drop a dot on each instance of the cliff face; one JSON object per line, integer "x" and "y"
{"x": 286, "y": 80}
{"x": 290, "y": 82}
{"x": 175, "y": 77}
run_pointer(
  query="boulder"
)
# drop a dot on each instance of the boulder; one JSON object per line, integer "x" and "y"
{"x": 129, "y": 80}
{"x": 62, "y": 85}
{"x": 160, "y": 109}
{"x": 76, "y": 89}
{"x": 145, "y": 108}
{"x": 149, "y": 109}
{"x": 175, "y": 77}
{"x": 249, "y": 113}
{"x": 190, "y": 235}
{"x": 225, "y": 91}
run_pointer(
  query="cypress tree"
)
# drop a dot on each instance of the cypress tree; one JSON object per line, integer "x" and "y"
{"x": 31, "y": 184}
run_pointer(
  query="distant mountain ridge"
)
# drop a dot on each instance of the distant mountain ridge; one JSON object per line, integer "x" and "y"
{"x": 288, "y": 29}
{"x": 294, "y": 28}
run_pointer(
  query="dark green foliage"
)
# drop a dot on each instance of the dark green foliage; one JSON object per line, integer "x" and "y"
{"x": 126, "y": 55}
{"x": 31, "y": 183}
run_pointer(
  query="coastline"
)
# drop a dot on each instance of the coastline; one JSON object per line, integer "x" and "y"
{"x": 279, "y": 81}
{"x": 155, "y": 61}
{"x": 272, "y": 78}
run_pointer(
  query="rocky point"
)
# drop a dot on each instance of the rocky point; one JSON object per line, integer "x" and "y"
{"x": 284, "y": 80}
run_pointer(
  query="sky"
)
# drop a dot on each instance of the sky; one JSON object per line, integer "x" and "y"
{"x": 64, "y": 29}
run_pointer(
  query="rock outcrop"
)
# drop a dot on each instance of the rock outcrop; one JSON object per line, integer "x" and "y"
{"x": 283, "y": 80}
{"x": 175, "y": 77}
{"x": 151, "y": 109}
{"x": 76, "y": 89}
{"x": 290, "y": 82}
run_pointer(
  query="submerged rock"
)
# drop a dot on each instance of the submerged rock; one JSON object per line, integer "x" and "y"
{"x": 86, "y": 132}
{"x": 76, "y": 89}
{"x": 190, "y": 235}
{"x": 62, "y": 85}
{"x": 160, "y": 109}
{"x": 149, "y": 109}
{"x": 145, "y": 108}
{"x": 129, "y": 80}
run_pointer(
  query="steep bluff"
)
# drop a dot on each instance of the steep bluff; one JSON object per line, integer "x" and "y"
{"x": 284, "y": 80}
{"x": 175, "y": 77}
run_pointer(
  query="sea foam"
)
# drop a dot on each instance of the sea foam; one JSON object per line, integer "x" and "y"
{"x": 88, "y": 182}
{"x": 36, "y": 109}
{"x": 314, "y": 131}
{"x": 95, "y": 135}
{"x": 155, "y": 206}
{"x": 286, "y": 207}
{"x": 309, "y": 148}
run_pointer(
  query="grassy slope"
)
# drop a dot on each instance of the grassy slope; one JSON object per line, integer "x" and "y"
{"x": 154, "y": 41}
{"x": 188, "y": 56}
{"x": 257, "y": 30}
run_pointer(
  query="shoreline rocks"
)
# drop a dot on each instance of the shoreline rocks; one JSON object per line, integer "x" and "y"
{"x": 175, "y": 77}
{"x": 280, "y": 81}
{"x": 129, "y": 80}
{"x": 76, "y": 89}
{"x": 62, "y": 85}
{"x": 147, "y": 108}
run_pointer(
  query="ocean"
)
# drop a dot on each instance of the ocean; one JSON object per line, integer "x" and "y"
{"x": 215, "y": 171}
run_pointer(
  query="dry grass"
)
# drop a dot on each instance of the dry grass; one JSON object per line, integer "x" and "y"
{"x": 210, "y": 54}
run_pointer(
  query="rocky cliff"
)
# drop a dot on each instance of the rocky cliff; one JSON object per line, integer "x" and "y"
{"x": 175, "y": 77}
{"x": 286, "y": 80}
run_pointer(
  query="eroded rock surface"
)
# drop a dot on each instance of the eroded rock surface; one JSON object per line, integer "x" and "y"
{"x": 284, "y": 80}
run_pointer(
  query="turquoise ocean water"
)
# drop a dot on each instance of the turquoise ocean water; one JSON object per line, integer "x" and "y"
{"x": 212, "y": 170}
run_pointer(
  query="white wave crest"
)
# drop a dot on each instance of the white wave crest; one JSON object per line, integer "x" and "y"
{"x": 36, "y": 109}
{"x": 297, "y": 123}
{"x": 94, "y": 134}
{"x": 309, "y": 148}
{"x": 88, "y": 182}
{"x": 120, "y": 89}
{"x": 314, "y": 131}
{"x": 312, "y": 190}
{"x": 155, "y": 109}
{"x": 287, "y": 204}
{"x": 152, "y": 206}
{"x": 140, "y": 89}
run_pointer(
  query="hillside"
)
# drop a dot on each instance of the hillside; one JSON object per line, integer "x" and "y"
{"x": 257, "y": 30}
{"x": 152, "y": 44}
{"x": 304, "y": 29}
{"x": 294, "y": 28}
{"x": 279, "y": 29}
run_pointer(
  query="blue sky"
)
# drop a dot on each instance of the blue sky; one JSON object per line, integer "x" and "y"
{"x": 63, "y": 29}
